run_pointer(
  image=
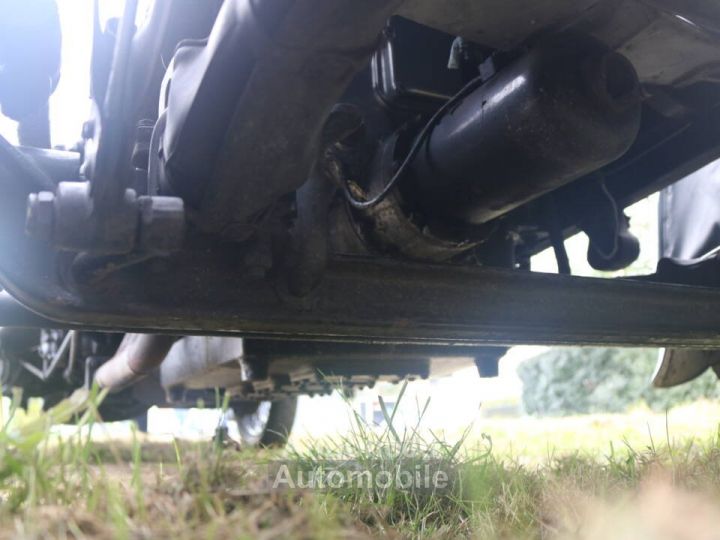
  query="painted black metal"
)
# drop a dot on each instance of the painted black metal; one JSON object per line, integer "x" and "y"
{"x": 566, "y": 108}
{"x": 66, "y": 219}
{"x": 696, "y": 272}
{"x": 329, "y": 352}
{"x": 487, "y": 361}
{"x": 128, "y": 66}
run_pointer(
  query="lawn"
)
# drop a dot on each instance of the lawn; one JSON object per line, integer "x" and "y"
{"x": 535, "y": 439}
{"x": 638, "y": 475}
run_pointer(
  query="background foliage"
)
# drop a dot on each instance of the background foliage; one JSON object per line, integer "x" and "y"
{"x": 567, "y": 381}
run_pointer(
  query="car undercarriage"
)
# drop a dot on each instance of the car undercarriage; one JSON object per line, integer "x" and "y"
{"x": 274, "y": 197}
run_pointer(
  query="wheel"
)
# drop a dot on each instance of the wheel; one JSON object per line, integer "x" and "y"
{"x": 265, "y": 423}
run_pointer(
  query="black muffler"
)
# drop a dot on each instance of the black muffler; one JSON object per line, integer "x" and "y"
{"x": 565, "y": 109}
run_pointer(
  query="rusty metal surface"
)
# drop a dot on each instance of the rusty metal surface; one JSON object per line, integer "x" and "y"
{"x": 363, "y": 300}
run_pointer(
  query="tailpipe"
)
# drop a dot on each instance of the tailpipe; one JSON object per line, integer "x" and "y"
{"x": 137, "y": 356}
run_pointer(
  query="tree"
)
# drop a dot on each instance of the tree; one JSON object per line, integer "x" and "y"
{"x": 587, "y": 380}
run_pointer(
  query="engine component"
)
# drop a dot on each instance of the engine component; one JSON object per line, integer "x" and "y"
{"x": 207, "y": 287}
{"x": 565, "y": 109}
{"x": 128, "y": 66}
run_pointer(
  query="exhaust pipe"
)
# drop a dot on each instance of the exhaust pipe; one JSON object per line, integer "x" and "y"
{"x": 137, "y": 356}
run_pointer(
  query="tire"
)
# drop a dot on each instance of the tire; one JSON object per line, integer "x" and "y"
{"x": 266, "y": 423}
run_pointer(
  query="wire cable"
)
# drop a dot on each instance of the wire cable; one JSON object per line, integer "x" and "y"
{"x": 414, "y": 150}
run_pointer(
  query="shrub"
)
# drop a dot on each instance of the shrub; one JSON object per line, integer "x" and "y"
{"x": 587, "y": 380}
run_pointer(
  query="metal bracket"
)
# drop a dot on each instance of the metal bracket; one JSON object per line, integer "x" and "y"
{"x": 67, "y": 220}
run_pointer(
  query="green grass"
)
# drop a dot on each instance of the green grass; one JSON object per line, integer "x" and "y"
{"x": 534, "y": 440}
{"x": 621, "y": 482}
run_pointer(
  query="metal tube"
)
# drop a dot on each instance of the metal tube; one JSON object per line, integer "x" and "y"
{"x": 107, "y": 188}
{"x": 34, "y": 129}
{"x": 59, "y": 165}
{"x": 137, "y": 356}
